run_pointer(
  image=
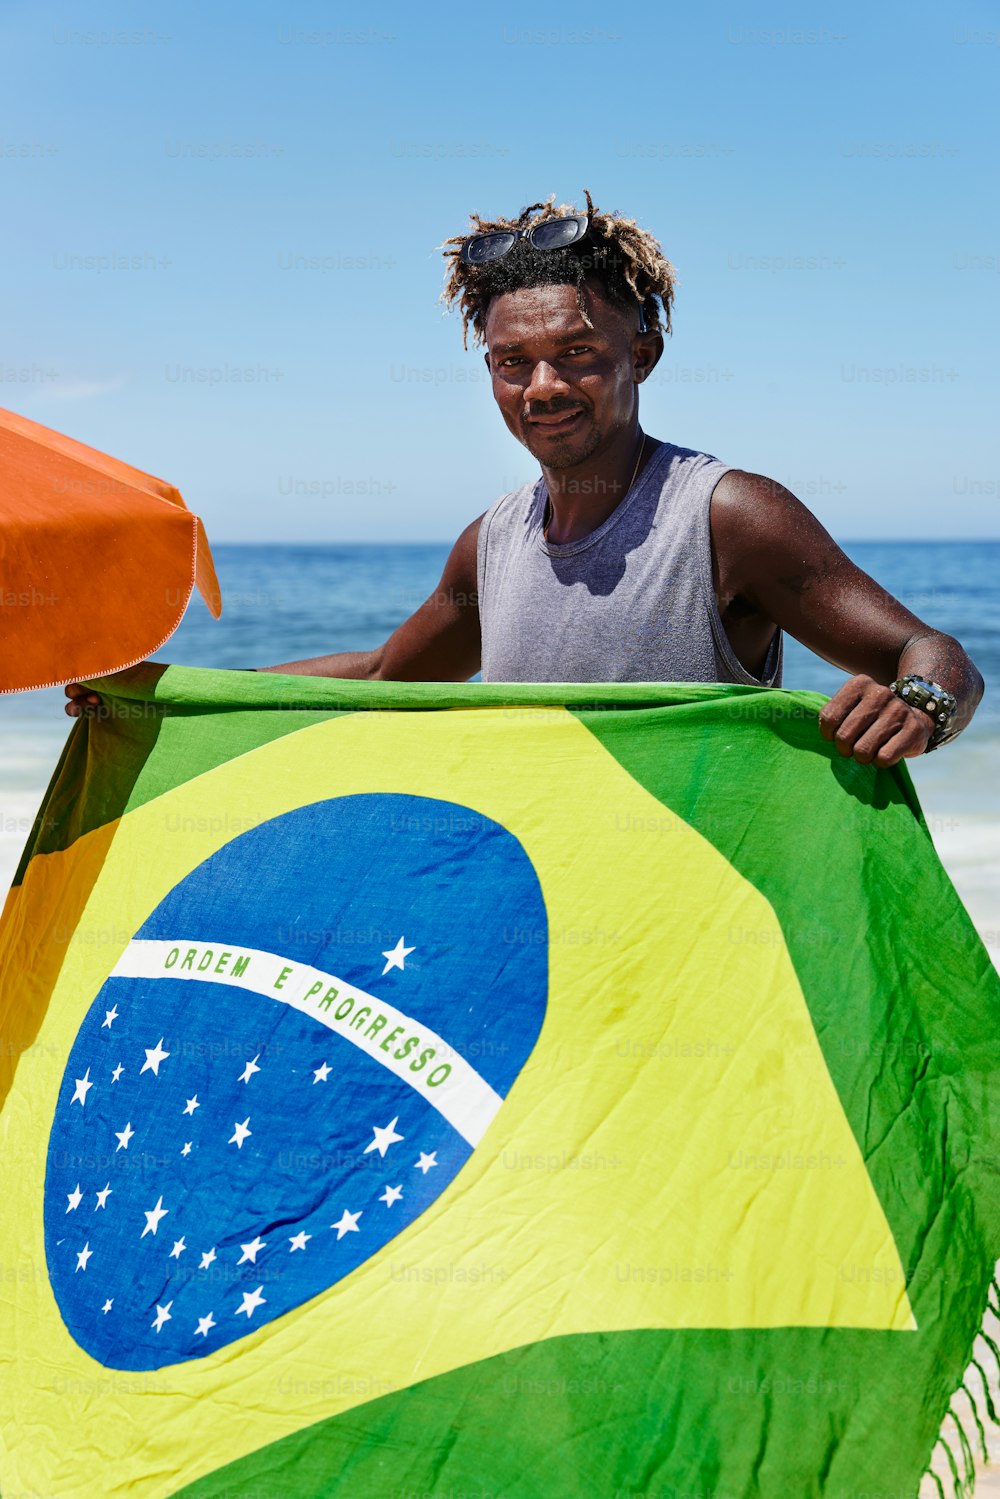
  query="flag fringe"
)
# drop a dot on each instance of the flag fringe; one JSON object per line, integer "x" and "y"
{"x": 968, "y": 1456}
{"x": 980, "y": 1432}
{"x": 930, "y": 1473}
{"x": 960, "y": 1484}
{"x": 991, "y": 1409}
{"x": 963, "y": 1482}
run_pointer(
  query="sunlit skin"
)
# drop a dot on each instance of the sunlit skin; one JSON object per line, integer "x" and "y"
{"x": 570, "y": 394}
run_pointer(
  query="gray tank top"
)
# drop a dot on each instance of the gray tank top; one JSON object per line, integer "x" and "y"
{"x": 632, "y": 602}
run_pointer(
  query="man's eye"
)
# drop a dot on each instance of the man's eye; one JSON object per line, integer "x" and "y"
{"x": 579, "y": 349}
{"x": 512, "y": 359}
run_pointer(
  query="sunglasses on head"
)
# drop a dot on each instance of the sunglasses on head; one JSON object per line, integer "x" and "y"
{"x": 553, "y": 234}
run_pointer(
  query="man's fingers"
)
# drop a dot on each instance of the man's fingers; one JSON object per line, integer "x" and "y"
{"x": 81, "y": 699}
{"x": 907, "y": 742}
{"x": 843, "y": 702}
{"x": 870, "y": 723}
{"x": 866, "y": 729}
{"x": 857, "y": 722}
{"x": 890, "y": 740}
{"x": 855, "y": 710}
{"x": 901, "y": 746}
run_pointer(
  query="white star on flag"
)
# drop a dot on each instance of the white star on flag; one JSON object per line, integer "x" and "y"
{"x": 123, "y": 1136}
{"x": 252, "y": 1250}
{"x": 178, "y": 1249}
{"x": 191, "y": 1105}
{"x": 154, "y": 1056}
{"x": 84, "y": 1256}
{"x": 395, "y": 956}
{"x": 108, "y": 1304}
{"x": 162, "y": 1315}
{"x": 102, "y": 1197}
{"x": 207, "y": 1257}
{"x": 109, "y": 1016}
{"x": 73, "y": 1199}
{"x": 117, "y": 1073}
{"x": 251, "y": 1301}
{"x": 241, "y": 1134}
{"x": 391, "y": 1195}
{"x": 347, "y": 1224}
{"x": 205, "y": 1325}
{"x": 249, "y": 1070}
{"x": 299, "y": 1242}
{"x": 153, "y": 1220}
{"x": 186, "y": 1148}
{"x": 384, "y": 1137}
{"x": 321, "y": 1073}
{"x": 426, "y": 1161}
{"x": 83, "y": 1087}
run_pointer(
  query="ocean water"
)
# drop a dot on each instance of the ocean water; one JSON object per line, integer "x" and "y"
{"x": 282, "y": 603}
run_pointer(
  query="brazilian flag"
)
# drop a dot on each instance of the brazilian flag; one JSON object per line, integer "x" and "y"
{"x": 479, "y": 1090}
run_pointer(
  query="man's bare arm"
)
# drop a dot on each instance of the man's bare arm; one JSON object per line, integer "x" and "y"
{"x": 439, "y": 643}
{"x": 774, "y": 554}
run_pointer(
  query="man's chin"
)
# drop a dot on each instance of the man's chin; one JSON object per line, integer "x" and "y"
{"x": 558, "y": 452}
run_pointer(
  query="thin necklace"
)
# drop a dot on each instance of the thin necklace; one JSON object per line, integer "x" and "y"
{"x": 642, "y": 448}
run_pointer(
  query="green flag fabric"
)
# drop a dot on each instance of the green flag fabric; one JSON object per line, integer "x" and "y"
{"x": 415, "y": 1089}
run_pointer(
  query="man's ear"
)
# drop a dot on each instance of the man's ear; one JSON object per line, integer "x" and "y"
{"x": 646, "y": 351}
{"x": 486, "y": 358}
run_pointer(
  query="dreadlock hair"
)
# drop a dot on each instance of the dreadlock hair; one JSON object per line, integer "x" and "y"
{"x": 626, "y": 259}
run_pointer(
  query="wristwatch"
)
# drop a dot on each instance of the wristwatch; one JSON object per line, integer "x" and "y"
{"x": 934, "y": 700}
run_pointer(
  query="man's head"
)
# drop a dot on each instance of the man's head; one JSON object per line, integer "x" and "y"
{"x": 563, "y": 328}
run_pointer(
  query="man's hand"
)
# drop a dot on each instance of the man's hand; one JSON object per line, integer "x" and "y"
{"x": 870, "y": 723}
{"x": 81, "y": 700}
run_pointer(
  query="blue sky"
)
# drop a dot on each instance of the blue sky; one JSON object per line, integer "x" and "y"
{"x": 192, "y": 194}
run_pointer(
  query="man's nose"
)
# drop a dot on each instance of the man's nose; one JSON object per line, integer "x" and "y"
{"x": 545, "y": 384}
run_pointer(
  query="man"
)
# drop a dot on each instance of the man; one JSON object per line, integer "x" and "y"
{"x": 632, "y": 558}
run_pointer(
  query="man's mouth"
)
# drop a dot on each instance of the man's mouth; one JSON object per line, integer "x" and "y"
{"x": 560, "y": 423}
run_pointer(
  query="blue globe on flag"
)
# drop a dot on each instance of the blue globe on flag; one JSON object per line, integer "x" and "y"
{"x": 291, "y": 1061}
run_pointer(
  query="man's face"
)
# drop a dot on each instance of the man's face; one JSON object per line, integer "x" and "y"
{"x": 566, "y": 390}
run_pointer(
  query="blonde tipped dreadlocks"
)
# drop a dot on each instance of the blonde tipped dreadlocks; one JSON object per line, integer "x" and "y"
{"x": 627, "y": 259}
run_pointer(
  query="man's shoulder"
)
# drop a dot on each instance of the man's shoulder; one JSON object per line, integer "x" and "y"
{"x": 755, "y": 519}
{"x": 745, "y": 496}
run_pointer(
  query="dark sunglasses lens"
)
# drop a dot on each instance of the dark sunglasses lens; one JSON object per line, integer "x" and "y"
{"x": 556, "y": 234}
{"x": 487, "y": 247}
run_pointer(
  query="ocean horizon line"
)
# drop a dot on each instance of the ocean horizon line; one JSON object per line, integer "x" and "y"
{"x": 432, "y": 541}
